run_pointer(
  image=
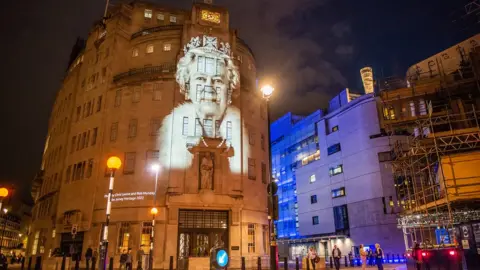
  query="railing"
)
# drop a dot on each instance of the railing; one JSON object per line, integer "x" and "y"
{"x": 164, "y": 68}
{"x": 146, "y": 32}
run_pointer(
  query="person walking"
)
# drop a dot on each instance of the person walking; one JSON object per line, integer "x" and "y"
{"x": 128, "y": 263}
{"x": 312, "y": 256}
{"x": 88, "y": 257}
{"x": 140, "y": 254}
{"x": 379, "y": 256}
{"x": 336, "y": 255}
{"x": 417, "y": 255}
{"x": 123, "y": 260}
{"x": 363, "y": 256}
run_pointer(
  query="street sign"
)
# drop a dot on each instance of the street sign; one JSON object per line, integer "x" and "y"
{"x": 222, "y": 258}
{"x": 219, "y": 258}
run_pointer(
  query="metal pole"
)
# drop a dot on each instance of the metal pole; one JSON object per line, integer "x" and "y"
{"x": 273, "y": 243}
{"x": 107, "y": 221}
{"x": 152, "y": 235}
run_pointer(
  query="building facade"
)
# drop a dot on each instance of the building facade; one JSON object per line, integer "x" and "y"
{"x": 347, "y": 196}
{"x": 162, "y": 86}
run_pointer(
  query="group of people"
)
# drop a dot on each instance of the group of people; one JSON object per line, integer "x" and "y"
{"x": 376, "y": 255}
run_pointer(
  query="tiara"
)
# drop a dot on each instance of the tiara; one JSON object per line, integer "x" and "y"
{"x": 208, "y": 44}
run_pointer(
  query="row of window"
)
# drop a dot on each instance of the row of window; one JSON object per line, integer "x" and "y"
{"x": 251, "y": 138}
{"x": 252, "y": 170}
{"x": 64, "y": 104}
{"x": 43, "y": 208}
{"x": 50, "y": 183}
{"x": 89, "y": 108}
{"x": 148, "y": 15}
{"x": 336, "y": 193}
{"x": 53, "y": 157}
{"x": 82, "y": 140}
{"x": 79, "y": 171}
{"x": 137, "y": 94}
{"x": 340, "y": 216}
{"x": 390, "y": 114}
{"x": 150, "y": 48}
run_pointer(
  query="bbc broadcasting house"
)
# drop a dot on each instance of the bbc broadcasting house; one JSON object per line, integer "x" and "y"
{"x": 164, "y": 88}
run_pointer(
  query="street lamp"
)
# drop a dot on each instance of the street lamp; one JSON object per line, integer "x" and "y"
{"x": 267, "y": 91}
{"x": 5, "y": 211}
{"x": 3, "y": 194}
{"x": 155, "y": 168}
{"x": 113, "y": 164}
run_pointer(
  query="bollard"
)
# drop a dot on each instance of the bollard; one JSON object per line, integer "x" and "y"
{"x": 110, "y": 265}
{"x": 29, "y": 263}
{"x": 243, "y": 263}
{"x": 297, "y": 265}
{"x": 94, "y": 262}
{"x": 62, "y": 267}
{"x": 331, "y": 262}
{"x": 346, "y": 262}
{"x": 38, "y": 263}
{"x": 285, "y": 263}
{"x": 259, "y": 263}
{"x": 170, "y": 265}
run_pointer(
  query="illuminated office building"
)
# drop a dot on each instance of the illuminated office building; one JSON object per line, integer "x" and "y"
{"x": 156, "y": 85}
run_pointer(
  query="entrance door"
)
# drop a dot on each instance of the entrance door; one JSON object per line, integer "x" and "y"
{"x": 71, "y": 245}
{"x": 198, "y": 232}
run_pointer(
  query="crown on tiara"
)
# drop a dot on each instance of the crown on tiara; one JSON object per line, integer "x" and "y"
{"x": 209, "y": 44}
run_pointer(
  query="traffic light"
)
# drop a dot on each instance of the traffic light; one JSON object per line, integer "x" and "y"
{"x": 272, "y": 189}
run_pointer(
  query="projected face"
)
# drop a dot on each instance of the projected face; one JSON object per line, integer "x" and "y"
{"x": 208, "y": 86}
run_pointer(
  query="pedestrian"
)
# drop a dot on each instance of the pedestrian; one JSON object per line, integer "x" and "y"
{"x": 94, "y": 258}
{"x": 417, "y": 255}
{"x": 379, "y": 256}
{"x": 140, "y": 254}
{"x": 129, "y": 259}
{"x": 363, "y": 256}
{"x": 3, "y": 261}
{"x": 370, "y": 257}
{"x": 336, "y": 254}
{"x": 312, "y": 257}
{"x": 88, "y": 256}
{"x": 123, "y": 260}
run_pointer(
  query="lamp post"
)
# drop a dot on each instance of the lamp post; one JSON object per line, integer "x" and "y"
{"x": 5, "y": 211}
{"x": 267, "y": 91}
{"x": 113, "y": 164}
{"x": 153, "y": 211}
{"x": 3, "y": 194}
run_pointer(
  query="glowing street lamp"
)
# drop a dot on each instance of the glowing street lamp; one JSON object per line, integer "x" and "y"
{"x": 267, "y": 92}
{"x": 155, "y": 168}
{"x": 3, "y": 194}
{"x": 113, "y": 164}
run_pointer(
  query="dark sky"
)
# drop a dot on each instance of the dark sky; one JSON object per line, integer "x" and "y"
{"x": 309, "y": 49}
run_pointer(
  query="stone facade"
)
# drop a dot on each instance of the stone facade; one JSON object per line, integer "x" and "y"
{"x": 124, "y": 95}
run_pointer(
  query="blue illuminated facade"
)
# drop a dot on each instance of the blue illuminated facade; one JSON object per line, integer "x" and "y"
{"x": 294, "y": 143}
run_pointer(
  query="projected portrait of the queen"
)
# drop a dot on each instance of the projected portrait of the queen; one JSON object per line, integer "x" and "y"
{"x": 208, "y": 78}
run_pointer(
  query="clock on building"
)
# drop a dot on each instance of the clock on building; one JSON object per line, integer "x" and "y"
{"x": 210, "y": 16}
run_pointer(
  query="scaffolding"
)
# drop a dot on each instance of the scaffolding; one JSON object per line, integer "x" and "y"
{"x": 434, "y": 130}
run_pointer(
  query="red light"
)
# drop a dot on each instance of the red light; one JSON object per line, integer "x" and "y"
{"x": 408, "y": 254}
{"x": 424, "y": 254}
{"x": 452, "y": 252}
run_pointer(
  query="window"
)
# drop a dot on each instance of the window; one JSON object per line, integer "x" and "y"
{"x": 315, "y": 220}
{"x": 334, "y": 149}
{"x": 336, "y": 170}
{"x": 384, "y": 156}
{"x": 167, "y": 47}
{"x": 339, "y": 192}
{"x": 157, "y": 94}
{"x": 150, "y": 48}
{"x": 148, "y": 13}
{"x": 99, "y": 103}
{"x": 262, "y": 142}
{"x": 129, "y": 167}
{"x": 79, "y": 112}
{"x": 208, "y": 127}
{"x": 198, "y": 127}
{"x": 340, "y": 215}
{"x": 413, "y": 112}
{"x": 68, "y": 174}
{"x": 35, "y": 243}
{"x": 264, "y": 173}
{"x": 132, "y": 128}
{"x": 312, "y": 178}
{"x": 251, "y": 136}
{"x": 335, "y": 128}
{"x": 185, "y": 126}
{"x": 145, "y": 237}
{"x": 252, "y": 175}
{"x": 94, "y": 136}
{"x": 89, "y": 168}
{"x": 87, "y": 139}
{"x": 422, "y": 107}
{"x": 229, "y": 130}
{"x": 152, "y": 156}
{"x": 154, "y": 126}
{"x": 265, "y": 236}
{"x": 251, "y": 238}
{"x": 118, "y": 98}
{"x": 137, "y": 91}
{"x": 113, "y": 132}
{"x": 160, "y": 17}
{"x": 124, "y": 236}
{"x": 173, "y": 19}
{"x": 313, "y": 199}
{"x": 217, "y": 128}
{"x": 74, "y": 138}
{"x": 135, "y": 52}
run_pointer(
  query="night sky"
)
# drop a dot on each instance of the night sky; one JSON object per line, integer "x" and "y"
{"x": 309, "y": 49}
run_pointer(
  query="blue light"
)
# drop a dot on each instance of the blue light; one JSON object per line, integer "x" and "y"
{"x": 222, "y": 258}
{"x": 395, "y": 260}
{"x": 390, "y": 261}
